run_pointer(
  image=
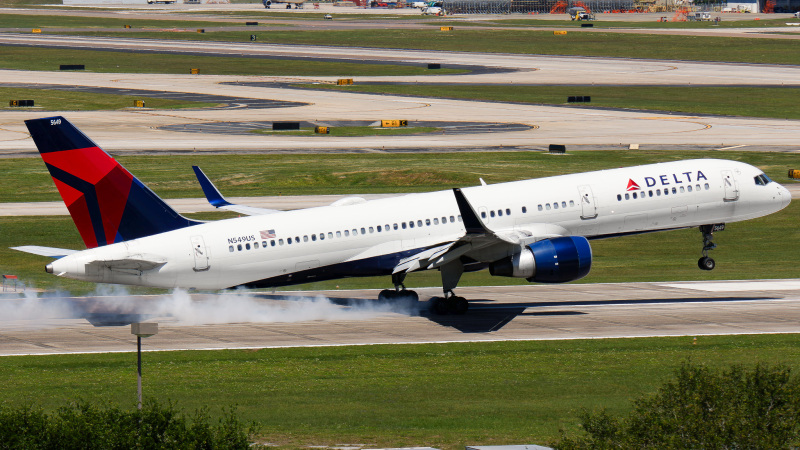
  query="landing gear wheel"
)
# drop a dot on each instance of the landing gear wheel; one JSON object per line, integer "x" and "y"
{"x": 439, "y": 305}
{"x": 386, "y": 295}
{"x": 706, "y": 263}
{"x": 459, "y": 305}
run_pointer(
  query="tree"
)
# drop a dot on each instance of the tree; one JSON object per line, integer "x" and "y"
{"x": 702, "y": 408}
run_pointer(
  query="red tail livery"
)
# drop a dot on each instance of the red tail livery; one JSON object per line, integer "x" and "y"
{"x": 106, "y": 202}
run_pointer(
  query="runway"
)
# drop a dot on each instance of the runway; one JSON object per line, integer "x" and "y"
{"x": 532, "y": 312}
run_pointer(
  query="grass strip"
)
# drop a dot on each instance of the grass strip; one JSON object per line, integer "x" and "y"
{"x": 614, "y": 45}
{"x": 773, "y": 102}
{"x": 651, "y": 257}
{"x": 440, "y": 395}
{"x": 74, "y": 21}
{"x": 58, "y": 100}
{"x": 33, "y": 58}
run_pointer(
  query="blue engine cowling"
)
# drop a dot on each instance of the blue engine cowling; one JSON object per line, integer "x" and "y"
{"x": 557, "y": 260}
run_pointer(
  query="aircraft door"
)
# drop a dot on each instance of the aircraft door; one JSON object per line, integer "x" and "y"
{"x": 731, "y": 186}
{"x": 200, "y": 254}
{"x": 588, "y": 205}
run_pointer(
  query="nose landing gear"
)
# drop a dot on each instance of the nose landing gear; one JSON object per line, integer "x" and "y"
{"x": 706, "y": 263}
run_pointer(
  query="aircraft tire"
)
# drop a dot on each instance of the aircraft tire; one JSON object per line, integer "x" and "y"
{"x": 386, "y": 295}
{"x": 439, "y": 306}
{"x": 459, "y": 305}
{"x": 706, "y": 263}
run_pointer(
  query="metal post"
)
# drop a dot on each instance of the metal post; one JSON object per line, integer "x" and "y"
{"x": 139, "y": 358}
{"x": 141, "y": 330}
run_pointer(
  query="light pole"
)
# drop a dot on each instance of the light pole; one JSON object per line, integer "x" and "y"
{"x": 142, "y": 330}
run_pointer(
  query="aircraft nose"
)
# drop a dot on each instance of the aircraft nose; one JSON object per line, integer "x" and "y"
{"x": 785, "y": 195}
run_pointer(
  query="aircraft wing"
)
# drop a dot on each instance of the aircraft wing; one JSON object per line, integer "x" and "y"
{"x": 477, "y": 239}
{"x": 50, "y": 252}
{"x": 218, "y": 201}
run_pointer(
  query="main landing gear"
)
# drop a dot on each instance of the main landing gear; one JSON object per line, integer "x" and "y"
{"x": 706, "y": 263}
{"x": 450, "y": 304}
{"x": 399, "y": 292}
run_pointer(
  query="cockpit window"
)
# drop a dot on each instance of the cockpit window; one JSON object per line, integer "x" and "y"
{"x": 762, "y": 180}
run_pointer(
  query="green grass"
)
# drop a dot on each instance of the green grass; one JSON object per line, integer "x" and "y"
{"x": 773, "y": 102}
{"x": 726, "y": 22}
{"x": 352, "y": 131}
{"x": 651, "y": 257}
{"x": 69, "y": 21}
{"x": 441, "y": 395}
{"x": 57, "y": 100}
{"x": 644, "y": 46}
{"x": 30, "y": 58}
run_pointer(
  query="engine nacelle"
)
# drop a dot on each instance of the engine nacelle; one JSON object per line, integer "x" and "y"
{"x": 557, "y": 260}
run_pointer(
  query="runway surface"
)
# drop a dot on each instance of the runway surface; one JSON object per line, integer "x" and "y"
{"x": 328, "y": 318}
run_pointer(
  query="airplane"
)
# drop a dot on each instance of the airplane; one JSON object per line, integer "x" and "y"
{"x": 298, "y": 4}
{"x": 537, "y": 229}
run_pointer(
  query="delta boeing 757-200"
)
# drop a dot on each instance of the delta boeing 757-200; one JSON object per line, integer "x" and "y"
{"x": 535, "y": 229}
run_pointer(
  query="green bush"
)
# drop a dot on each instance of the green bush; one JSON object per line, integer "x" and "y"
{"x": 86, "y": 426}
{"x": 701, "y": 408}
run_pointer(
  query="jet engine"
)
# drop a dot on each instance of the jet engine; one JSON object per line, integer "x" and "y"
{"x": 556, "y": 260}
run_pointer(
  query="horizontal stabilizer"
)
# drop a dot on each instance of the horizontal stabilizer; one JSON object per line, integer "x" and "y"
{"x": 50, "y": 252}
{"x": 216, "y": 199}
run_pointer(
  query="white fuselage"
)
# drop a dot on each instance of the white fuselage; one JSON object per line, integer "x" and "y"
{"x": 369, "y": 238}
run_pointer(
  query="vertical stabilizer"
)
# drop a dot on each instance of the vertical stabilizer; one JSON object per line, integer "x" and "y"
{"x": 106, "y": 202}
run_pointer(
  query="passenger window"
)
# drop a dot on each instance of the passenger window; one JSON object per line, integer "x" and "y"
{"x": 524, "y": 209}
{"x": 264, "y": 244}
{"x": 666, "y": 191}
{"x": 444, "y": 219}
{"x": 435, "y": 221}
{"x": 627, "y": 196}
{"x": 230, "y": 248}
{"x": 372, "y": 230}
{"x": 419, "y": 223}
{"x": 491, "y": 213}
{"x": 658, "y": 192}
{"x": 650, "y": 193}
{"x": 272, "y": 243}
{"x": 313, "y": 237}
{"x": 683, "y": 190}
{"x": 539, "y": 207}
{"x": 305, "y": 238}
{"x": 547, "y": 206}
{"x": 346, "y": 233}
{"x": 555, "y": 205}
{"x": 674, "y": 191}
{"x": 427, "y": 222}
{"x": 707, "y": 186}
{"x": 379, "y": 228}
{"x": 508, "y": 211}
{"x": 363, "y": 230}
{"x": 410, "y": 224}
{"x": 500, "y": 213}
{"x": 255, "y": 245}
{"x": 459, "y": 217}
{"x": 571, "y": 203}
{"x": 619, "y": 197}
{"x": 563, "y": 204}
{"x": 338, "y": 234}
{"x": 634, "y": 195}
{"x": 697, "y": 187}
{"x": 239, "y": 247}
{"x": 288, "y": 240}
{"x": 483, "y": 214}
{"x": 452, "y": 219}
{"x": 322, "y": 236}
{"x": 689, "y": 188}
{"x": 403, "y": 225}
{"x": 395, "y": 226}
{"x": 355, "y": 232}
{"x": 247, "y": 246}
